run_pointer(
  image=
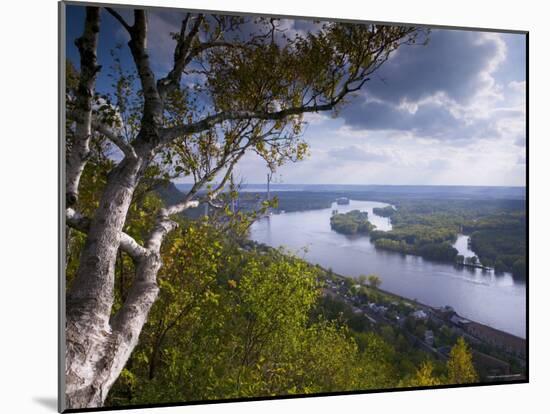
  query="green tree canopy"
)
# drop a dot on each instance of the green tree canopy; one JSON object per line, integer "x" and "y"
{"x": 460, "y": 368}
{"x": 374, "y": 281}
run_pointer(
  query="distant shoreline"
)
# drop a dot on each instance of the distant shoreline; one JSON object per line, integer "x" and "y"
{"x": 390, "y": 191}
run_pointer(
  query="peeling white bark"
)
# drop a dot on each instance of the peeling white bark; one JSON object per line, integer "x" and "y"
{"x": 107, "y": 351}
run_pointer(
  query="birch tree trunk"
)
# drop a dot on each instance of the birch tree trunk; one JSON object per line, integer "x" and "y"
{"x": 79, "y": 151}
{"x": 90, "y": 340}
{"x": 99, "y": 344}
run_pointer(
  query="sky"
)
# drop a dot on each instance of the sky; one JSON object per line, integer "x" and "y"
{"x": 452, "y": 112}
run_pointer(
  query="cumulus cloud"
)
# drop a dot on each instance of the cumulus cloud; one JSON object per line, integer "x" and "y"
{"x": 380, "y": 115}
{"x": 427, "y": 121}
{"x": 448, "y": 90}
{"x": 454, "y": 62}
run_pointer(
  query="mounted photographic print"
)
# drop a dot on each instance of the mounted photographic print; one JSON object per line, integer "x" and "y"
{"x": 257, "y": 207}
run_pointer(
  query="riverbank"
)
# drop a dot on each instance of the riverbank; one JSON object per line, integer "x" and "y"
{"x": 430, "y": 329}
{"x": 497, "y": 355}
{"x": 494, "y": 299}
{"x": 475, "y": 266}
{"x": 511, "y": 344}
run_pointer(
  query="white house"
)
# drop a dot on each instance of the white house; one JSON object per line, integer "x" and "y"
{"x": 420, "y": 315}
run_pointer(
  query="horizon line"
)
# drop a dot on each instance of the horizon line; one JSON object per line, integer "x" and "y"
{"x": 380, "y": 185}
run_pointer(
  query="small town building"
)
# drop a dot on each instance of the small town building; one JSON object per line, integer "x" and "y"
{"x": 458, "y": 321}
{"x": 420, "y": 315}
{"x": 342, "y": 200}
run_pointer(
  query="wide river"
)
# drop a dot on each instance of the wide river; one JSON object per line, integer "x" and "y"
{"x": 497, "y": 300}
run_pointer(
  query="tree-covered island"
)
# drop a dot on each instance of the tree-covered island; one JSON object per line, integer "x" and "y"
{"x": 352, "y": 222}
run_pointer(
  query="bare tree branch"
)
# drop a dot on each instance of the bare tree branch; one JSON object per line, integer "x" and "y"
{"x": 164, "y": 225}
{"x": 183, "y": 46}
{"x": 219, "y": 188}
{"x": 117, "y": 16}
{"x": 153, "y": 105}
{"x": 127, "y": 243}
{"x": 109, "y": 133}
{"x": 169, "y": 134}
{"x": 115, "y": 138}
